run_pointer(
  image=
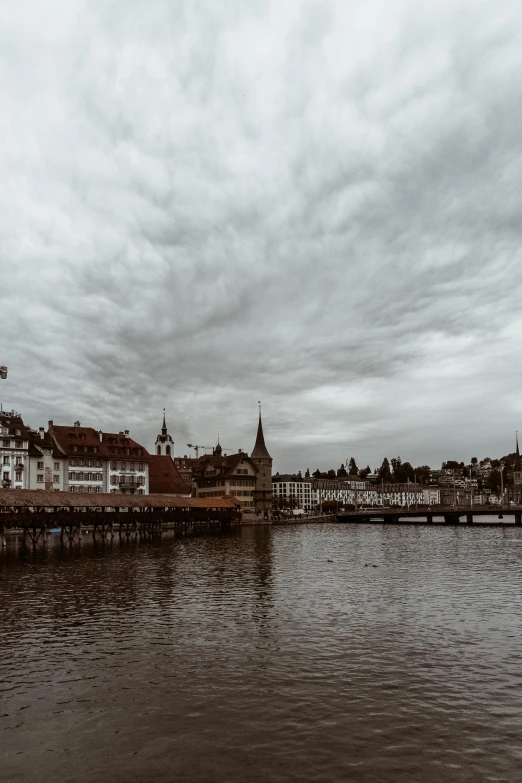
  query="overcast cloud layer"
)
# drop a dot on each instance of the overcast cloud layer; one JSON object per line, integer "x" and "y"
{"x": 315, "y": 204}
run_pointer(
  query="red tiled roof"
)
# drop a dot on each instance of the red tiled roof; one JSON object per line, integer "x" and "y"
{"x": 111, "y": 445}
{"x": 165, "y": 477}
{"x": 41, "y": 498}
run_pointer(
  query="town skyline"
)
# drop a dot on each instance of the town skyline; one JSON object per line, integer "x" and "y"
{"x": 317, "y": 462}
{"x": 329, "y": 223}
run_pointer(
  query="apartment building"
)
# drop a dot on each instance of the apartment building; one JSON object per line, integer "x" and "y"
{"x": 102, "y": 461}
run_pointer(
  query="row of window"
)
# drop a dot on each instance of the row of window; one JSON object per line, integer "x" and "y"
{"x": 139, "y": 492}
{"x": 123, "y": 466}
{"x": 241, "y": 493}
{"x": 87, "y": 463}
{"x": 138, "y": 481}
{"x": 14, "y": 444}
{"x": 40, "y": 478}
{"x": 94, "y": 449}
{"x": 84, "y": 489}
{"x": 244, "y": 483}
{"x": 56, "y": 466}
{"x": 85, "y": 476}
{"x": 137, "y": 452}
{"x": 7, "y": 460}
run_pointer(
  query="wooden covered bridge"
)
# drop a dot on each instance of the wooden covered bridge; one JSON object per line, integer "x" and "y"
{"x": 36, "y": 512}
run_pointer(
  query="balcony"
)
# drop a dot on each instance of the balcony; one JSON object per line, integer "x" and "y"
{"x": 130, "y": 482}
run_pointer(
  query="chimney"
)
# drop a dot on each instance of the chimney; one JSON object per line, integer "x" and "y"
{"x": 100, "y": 435}
{"x": 41, "y": 432}
{"x": 126, "y": 433}
{"x": 77, "y": 424}
{"x": 50, "y": 426}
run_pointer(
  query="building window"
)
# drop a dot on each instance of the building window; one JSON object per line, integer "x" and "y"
{"x": 56, "y": 479}
{"x": 18, "y": 444}
{"x": 39, "y": 478}
{"x": 57, "y": 466}
{"x": 124, "y": 466}
{"x": 40, "y": 466}
{"x": 6, "y": 460}
{"x": 80, "y": 476}
{"x": 18, "y": 476}
{"x": 140, "y": 466}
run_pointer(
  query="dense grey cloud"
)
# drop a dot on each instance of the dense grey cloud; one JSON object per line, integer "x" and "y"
{"x": 316, "y": 204}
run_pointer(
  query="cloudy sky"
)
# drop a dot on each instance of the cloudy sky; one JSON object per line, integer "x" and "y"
{"x": 314, "y": 203}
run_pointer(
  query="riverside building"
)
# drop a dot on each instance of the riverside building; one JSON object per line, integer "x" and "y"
{"x": 102, "y": 461}
{"x": 248, "y": 478}
{"x": 14, "y": 451}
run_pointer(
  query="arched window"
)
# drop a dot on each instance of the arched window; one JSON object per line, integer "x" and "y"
{"x": 159, "y": 450}
{"x": 167, "y": 450}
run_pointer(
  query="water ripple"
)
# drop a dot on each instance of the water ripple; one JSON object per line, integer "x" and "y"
{"x": 306, "y": 653}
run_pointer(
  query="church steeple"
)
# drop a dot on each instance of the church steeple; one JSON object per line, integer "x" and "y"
{"x": 260, "y": 450}
{"x": 517, "y": 455}
{"x": 164, "y": 445}
{"x": 263, "y": 462}
{"x": 164, "y": 428}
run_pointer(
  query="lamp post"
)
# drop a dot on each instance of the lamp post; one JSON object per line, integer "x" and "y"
{"x": 501, "y": 483}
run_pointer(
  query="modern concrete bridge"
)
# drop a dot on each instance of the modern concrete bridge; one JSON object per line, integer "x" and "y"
{"x": 451, "y": 515}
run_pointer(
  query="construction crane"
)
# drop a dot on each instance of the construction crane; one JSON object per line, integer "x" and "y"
{"x": 197, "y": 448}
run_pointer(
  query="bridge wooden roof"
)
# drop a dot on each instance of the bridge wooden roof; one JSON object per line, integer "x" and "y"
{"x": 34, "y": 498}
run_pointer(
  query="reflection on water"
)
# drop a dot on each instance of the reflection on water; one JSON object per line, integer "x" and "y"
{"x": 251, "y": 657}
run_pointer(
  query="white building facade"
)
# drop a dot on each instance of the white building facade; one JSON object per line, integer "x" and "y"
{"x": 14, "y": 451}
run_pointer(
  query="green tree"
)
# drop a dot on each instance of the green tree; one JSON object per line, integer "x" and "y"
{"x": 452, "y": 464}
{"x": 317, "y": 473}
{"x": 307, "y": 474}
{"x": 493, "y": 481}
{"x": 384, "y": 472}
{"x": 353, "y": 470}
{"x": 331, "y": 474}
{"x": 341, "y": 473}
{"x": 423, "y": 473}
{"x": 396, "y": 464}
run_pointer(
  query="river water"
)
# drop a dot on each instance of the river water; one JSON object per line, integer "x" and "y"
{"x": 250, "y": 656}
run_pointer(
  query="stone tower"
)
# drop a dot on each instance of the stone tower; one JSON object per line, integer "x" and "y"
{"x": 164, "y": 444}
{"x": 263, "y": 462}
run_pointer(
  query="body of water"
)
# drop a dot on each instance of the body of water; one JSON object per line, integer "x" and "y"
{"x": 297, "y": 653}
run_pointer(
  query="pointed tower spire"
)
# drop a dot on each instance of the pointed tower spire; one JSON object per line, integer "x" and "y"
{"x": 517, "y": 455}
{"x": 164, "y": 428}
{"x": 260, "y": 451}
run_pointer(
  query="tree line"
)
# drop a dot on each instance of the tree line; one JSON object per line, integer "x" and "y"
{"x": 397, "y": 471}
